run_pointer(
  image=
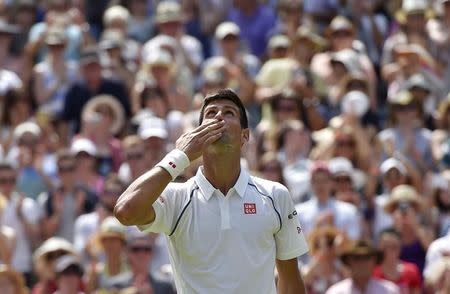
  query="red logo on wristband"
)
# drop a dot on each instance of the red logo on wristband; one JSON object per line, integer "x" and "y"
{"x": 172, "y": 164}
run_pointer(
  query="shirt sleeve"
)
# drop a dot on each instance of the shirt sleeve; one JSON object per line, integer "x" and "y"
{"x": 167, "y": 208}
{"x": 290, "y": 241}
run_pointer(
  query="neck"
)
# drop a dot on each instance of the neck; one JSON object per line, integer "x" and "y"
{"x": 322, "y": 199}
{"x": 361, "y": 283}
{"x": 114, "y": 264}
{"x": 390, "y": 264}
{"x": 214, "y": 171}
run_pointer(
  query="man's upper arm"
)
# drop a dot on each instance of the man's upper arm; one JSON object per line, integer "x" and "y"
{"x": 289, "y": 239}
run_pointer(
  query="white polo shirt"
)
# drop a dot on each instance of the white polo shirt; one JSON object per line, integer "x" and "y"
{"x": 227, "y": 244}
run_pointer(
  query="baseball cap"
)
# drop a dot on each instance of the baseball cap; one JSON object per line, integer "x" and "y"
{"x": 341, "y": 166}
{"x": 153, "y": 127}
{"x": 391, "y": 163}
{"x": 159, "y": 57}
{"x": 227, "y": 28}
{"x": 83, "y": 145}
{"x": 279, "y": 41}
{"x": 65, "y": 262}
{"x": 89, "y": 55}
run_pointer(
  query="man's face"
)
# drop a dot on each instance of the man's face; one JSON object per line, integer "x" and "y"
{"x": 139, "y": 253}
{"x": 233, "y": 136}
{"x": 321, "y": 183}
{"x": 7, "y": 181}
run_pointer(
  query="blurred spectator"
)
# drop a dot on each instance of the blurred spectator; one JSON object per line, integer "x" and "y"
{"x": 440, "y": 202}
{"x": 405, "y": 205}
{"x": 255, "y": 20}
{"x": 22, "y": 214}
{"x": 440, "y": 143}
{"x": 7, "y": 243}
{"x": 361, "y": 259}
{"x": 154, "y": 133}
{"x": 62, "y": 205}
{"x": 86, "y": 165}
{"x": 347, "y": 181}
{"x": 110, "y": 275}
{"x": 53, "y": 76}
{"x": 169, "y": 21}
{"x": 270, "y": 168}
{"x": 103, "y": 118}
{"x": 322, "y": 208}
{"x": 140, "y": 21}
{"x": 69, "y": 273}
{"x": 11, "y": 282}
{"x": 140, "y": 254}
{"x": 324, "y": 269}
{"x": 93, "y": 84}
{"x": 405, "y": 275}
{"x": 290, "y": 16}
{"x": 134, "y": 164}
{"x": 86, "y": 225}
{"x": 8, "y": 60}
{"x": 44, "y": 259}
{"x": 294, "y": 146}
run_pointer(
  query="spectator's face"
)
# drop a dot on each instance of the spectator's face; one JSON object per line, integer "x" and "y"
{"x": 361, "y": 267}
{"x": 393, "y": 178}
{"x": 279, "y": 52}
{"x": 321, "y": 183}
{"x": 405, "y": 216}
{"x": 118, "y": 24}
{"x": 66, "y": 169}
{"x": 85, "y": 161}
{"x": 7, "y": 181}
{"x": 57, "y": 50}
{"x": 286, "y": 109}
{"x": 161, "y": 74}
{"x": 297, "y": 142}
{"x": 345, "y": 147}
{"x": 324, "y": 248}
{"x": 229, "y": 44}
{"x": 272, "y": 171}
{"x": 406, "y": 114}
{"x": 416, "y": 21}
{"x": 390, "y": 245}
{"x": 7, "y": 285}
{"x": 170, "y": 28}
{"x": 113, "y": 246}
{"x": 92, "y": 72}
{"x": 138, "y": 7}
{"x": 343, "y": 183}
{"x": 157, "y": 105}
{"x": 155, "y": 148}
{"x": 140, "y": 254}
{"x": 69, "y": 281}
{"x": 342, "y": 39}
{"x": 134, "y": 156}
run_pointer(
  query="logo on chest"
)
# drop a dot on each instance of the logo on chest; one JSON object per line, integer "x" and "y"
{"x": 250, "y": 208}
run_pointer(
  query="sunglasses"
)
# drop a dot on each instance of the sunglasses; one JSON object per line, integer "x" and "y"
{"x": 137, "y": 249}
{"x": 134, "y": 156}
{"x": 7, "y": 181}
{"x": 342, "y": 33}
{"x": 345, "y": 143}
{"x": 342, "y": 179}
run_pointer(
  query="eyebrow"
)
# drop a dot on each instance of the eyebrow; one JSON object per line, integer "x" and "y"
{"x": 225, "y": 107}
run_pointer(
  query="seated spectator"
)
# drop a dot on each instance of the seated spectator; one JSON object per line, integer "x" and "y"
{"x": 324, "y": 269}
{"x": 44, "y": 259}
{"x": 140, "y": 253}
{"x": 322, "y": 208}
{"x": 93, "y": 84}
{"x": 361, "y": 259}
{"x": 86, "y": 165}
{"x": 405, "y": 275}
{"x": 405, "y": 205}
{"x": 22, "y": 214}
{"x": 440, "y": 143}
{"x": 69, "y": 273}
{"x": 106, "y": 119}
{"x": 440, "y": 202}
{"x": 11, "y": 282}
{"x": 110, "y": 275}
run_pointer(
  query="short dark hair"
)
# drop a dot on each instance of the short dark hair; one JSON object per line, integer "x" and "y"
{"x": 225, "y": 94}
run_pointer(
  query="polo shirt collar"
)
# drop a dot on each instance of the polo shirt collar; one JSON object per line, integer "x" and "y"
{"x": 208, "y": 190}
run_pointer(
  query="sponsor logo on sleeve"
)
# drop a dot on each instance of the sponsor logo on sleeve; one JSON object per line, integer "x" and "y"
{"x": 292, "y": 215}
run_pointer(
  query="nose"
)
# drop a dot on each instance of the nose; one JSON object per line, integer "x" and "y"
{"x": 219, "y": 115}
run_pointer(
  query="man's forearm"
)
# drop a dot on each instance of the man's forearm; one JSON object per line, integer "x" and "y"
{"x": 291, "y": 288}
{"x": 134, "y": 206}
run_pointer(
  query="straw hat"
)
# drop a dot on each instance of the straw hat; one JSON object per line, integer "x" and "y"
{"x": 403, "y": 194}
{"x": 51, "y": 245}
{"x": 168, "y": 11}
{"x": 340, "y": 23}
{"x": 305, "y": 32}
{"x": 410, "y": 7}
{"x": 361, "y": 248}
{"x": 15, "y": 277}
{"x": 109, "y": 228}
{"x": 117, "y": 110}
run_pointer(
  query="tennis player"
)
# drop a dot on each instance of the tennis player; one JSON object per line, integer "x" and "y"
{"x": 227, "y": 230}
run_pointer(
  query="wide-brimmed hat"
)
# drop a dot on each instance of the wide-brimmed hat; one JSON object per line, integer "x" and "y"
{"x": 15, "y": 277}
{"x": 53, "y": 244}
{"x": 112, "y": 228}
{"x": 115, "y": 106}
{"x": 349, "y": 58}
{"x": 225, "y": 29}
{"x": 413, "y": 7}
{"x": 360, "y": 248}
{"x": 340, "y": 23}
{"x": 27, "y": 127}
{"x": 7, "y": 28}
{"x": 159, "y": 57}
{"x": 168, "y": 11}
{"x": 403, "y": 194}
{"x": 306, "y": 32}
{"x": 425, "y": 58}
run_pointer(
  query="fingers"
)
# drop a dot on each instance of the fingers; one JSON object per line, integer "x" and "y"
{"x": 209, "y": 127}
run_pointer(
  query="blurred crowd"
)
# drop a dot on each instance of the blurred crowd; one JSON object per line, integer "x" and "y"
{"x": 348, "y": 104}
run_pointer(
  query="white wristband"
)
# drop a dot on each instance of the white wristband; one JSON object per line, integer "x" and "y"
{"x": 175, "y": 162}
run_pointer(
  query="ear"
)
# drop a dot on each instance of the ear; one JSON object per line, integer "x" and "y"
{"x": 245, "y": 136}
